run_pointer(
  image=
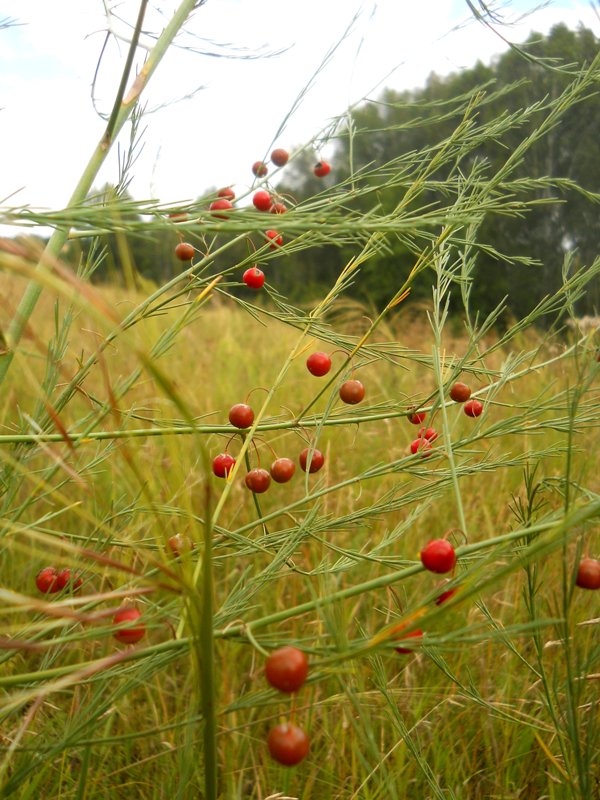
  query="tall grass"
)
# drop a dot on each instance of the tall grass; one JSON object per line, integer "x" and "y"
{"x": 114, "y": 404}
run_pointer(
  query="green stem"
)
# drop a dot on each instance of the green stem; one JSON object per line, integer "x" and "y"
{"x": 207, "y": 659}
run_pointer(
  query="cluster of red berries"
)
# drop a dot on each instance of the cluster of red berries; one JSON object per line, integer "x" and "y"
{"x": 351, "y": 391}
{"x": 460, "y": 393}
{"x": 286, "y": 669}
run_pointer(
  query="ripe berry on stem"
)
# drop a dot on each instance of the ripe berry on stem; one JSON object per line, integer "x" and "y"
{"x": 460, "y": 392}
{"x": 282, "y": 470}
{"x": 241, "y": 415}
{"x": 318, "y": 364}
{"x": 321, "y": 169}
{"x": 438, "y": 556}
{"x": 588, "y": 574}
{"x": 422, "y": 446}
{"x": 223, "y": 464}
{"x": 317, "y": 461}
{"x": 288, "y": 744}
{"x": 441, "y": 598}
{"x": 132, "y": 634}
{"x": 260, "y": 169}
{"x": 222, "y": 204}
{"x": 254, "y": 278}
{"x": 428, "y": 433}
{"x": 279, "y": 157}
{"x": 262, "y": 200}
{"x": 184, "y": 251}
{"x": 47, "y": 580}
{"x": 473, "y": 408}
{"x": 286, "y": 669}
{"x": 258, "y": 480}
{"x": 417, "y": 417}
{"x": 275, "y": 238}
{"x": 352, "y": 392}
{"x": 227, "y": 192}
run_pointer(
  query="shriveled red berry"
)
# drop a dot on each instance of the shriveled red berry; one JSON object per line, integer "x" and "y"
{"x": 460, "y": 392}
{"x": 422, "y": 446}
{"x": 417, "y": 417}
{"x": 184, "y": 251}
{"x": 318, "y": 364}
{"x": 275, "y": 238}
{"x": 258, "y": 480}
{"x": 588, "y": 574}
{"x": 438, "y": 556}
{"x": 260, "y": 169}
{"x": 222, "y": 204}
{"x": 416, "y": 634}
{"x": 288, "y": 744}
{"x": 47, "y": 580}
{"x": 179, "y": 544}
{"x": 352, "y": 392}
{"x": 223, "y": 464}
{"x": 317, "y": 461}
{"x": 262, "y": 200}
{"x": 254, "y": 278}
{"x": 286, "y": 669}
{"x": 279, "y": 157}
{"x": 132, "y": 633}
{"x": 321, "y": 169}
{"x": 241, "y": 415}
{"x": 227, "y": 192}
{"x": 282, "y": 470}
{"x": 278, "y": 208}
{"x": 473, "y": 408}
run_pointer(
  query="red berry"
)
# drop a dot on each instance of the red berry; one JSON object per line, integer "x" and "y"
{"x": 417, "y": 417}
{"x": 441, "y": 598}
{"x": 63, "y": 578}
{"x": 473, "y": 408}
{"x": 275, "y": 238}
{"x": 47, "y": 580}
{"x": 254, "y": 278}
{"x": 588, "y": 574}
{"x": 258, "y": 480}
{"x": 286, "y": 669}
{"x": 227, "y": 193}
{"x": 318, "y": 364}
{"x": 288, "y": 744}
{"x": 428, "y": 433}
{"x": 422, "y": 446}
{"x": 223, "y": 464}
{"x": 260, "y": 169}
{"x": 460, "y": 392}
{"x": 129, "y": 635}
{"x": 241, "y": 415}
{"x": 278, "y": 208}
{"x": 352, "y": 392}
{"x": 184, "y": 251}
{"x": 179, "y": 544}
{"x": 279, "y": 157}
{"x": 282, "y": 470}
{"x": 317, "y": 461}
{"x": 438, "y": 556}
{"x": 418, "y": 634}
{"x": 321, "y": 169}
{"x": 262, "y": 200}
{"x": 221, "y": 205}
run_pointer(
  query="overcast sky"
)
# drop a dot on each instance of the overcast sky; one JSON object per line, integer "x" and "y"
{"x": 49, "y": 125}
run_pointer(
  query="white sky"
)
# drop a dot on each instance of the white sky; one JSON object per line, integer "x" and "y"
{"x": 48, "y": 126}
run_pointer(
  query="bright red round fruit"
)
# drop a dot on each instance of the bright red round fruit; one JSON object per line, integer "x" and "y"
{"x": 260, "y": 169}
{"x": 241, "y": 415}
{"x": 422, "y": 446}
{"x": 64, "y": 578}
{"x": 227, "y": 193}
{"x": 321, "y": 169}
{"x": 418, "y": 634}
{"x": 254, "y": 278}
{"x": 428, "y": 433}
{"x": 275, "y": 238}
{"x": 460, "y": 392}
{"x": 184, "y": 251}
{"x": 317, "y": 461}
{"x": 473, "y": 408}
{"x": 258, "y": 480}
{"x": 318, "y": 364}
{"x": 133, "y": 633}
{"x": 288, "y": 744}
{"x": 438, "y": 556}
{"x": 279, "y": 157}
{"x": 352, "y": 392}
{"x": 223, "y": 464}
{"x": 222, "y": 204}
{"x": 262, "y": 200}
{"x": 180, "y": 544}
{"x": 417, "y": 417}
{"x": 282, "y": 470}
{"x": 47, "y": 580}
{"x": 588, "y": 574}
{"x": 286, "y": 669}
